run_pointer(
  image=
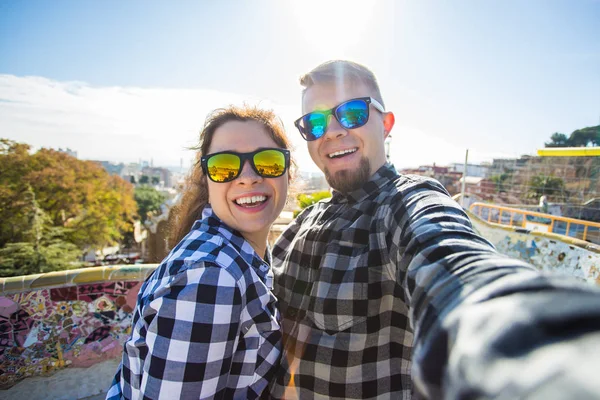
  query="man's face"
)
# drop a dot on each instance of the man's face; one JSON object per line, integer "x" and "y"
{"x": 348, "y": 157}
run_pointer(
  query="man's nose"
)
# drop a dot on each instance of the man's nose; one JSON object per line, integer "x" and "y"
{"x": 334, "y": 129}
{"x": 247, "y": 175}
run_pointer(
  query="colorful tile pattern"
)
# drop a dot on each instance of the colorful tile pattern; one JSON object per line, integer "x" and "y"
{"x": 77, "y": 325}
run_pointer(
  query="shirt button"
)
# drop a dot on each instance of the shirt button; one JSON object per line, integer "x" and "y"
{"x": 292, "y": 313}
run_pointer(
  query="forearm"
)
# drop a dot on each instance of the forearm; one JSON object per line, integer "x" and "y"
{"x": 488, "y": 326}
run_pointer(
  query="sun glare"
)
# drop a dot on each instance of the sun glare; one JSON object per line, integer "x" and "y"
{"x": 334, "y": 28}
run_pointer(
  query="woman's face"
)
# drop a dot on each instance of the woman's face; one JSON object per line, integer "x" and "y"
{"x": 229, "y": 200}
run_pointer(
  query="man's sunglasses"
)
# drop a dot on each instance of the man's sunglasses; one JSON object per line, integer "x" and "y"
{"x": 350, "y": 114}
{"x": 225, "y": 166}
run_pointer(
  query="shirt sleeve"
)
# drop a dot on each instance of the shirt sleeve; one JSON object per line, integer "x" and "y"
{"x": 184, "y": 343}
{"x": 482, "y": 319}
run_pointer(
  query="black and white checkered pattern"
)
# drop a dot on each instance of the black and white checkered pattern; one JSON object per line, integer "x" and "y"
{"x": 352, "y": 271}
{"x": 206, "y": 324}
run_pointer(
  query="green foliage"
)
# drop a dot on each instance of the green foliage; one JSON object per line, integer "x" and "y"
{"x": 51, "y": 253}
{"x": 585, "y": 137}
{"x": 144, "y": 180}
{"x": 45, "y": 249}
{"x": 53, "y": 204}
{"x": 551, "y": 186}
{"x": 578, "y": 138}
{"x": 148, "y": 201}
{"x": 306, "y": 200}
{"x": 501, "y": 181}
{"x": 558, "y": 140}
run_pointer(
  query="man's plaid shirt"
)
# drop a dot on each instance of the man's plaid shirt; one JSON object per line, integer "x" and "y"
{"x": 206, "y": 324}
{"x": 353, "y": 271}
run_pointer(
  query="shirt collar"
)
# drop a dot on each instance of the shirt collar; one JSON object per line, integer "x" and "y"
{"x": 212, "y": 224}
{"x": 377, "y": 181}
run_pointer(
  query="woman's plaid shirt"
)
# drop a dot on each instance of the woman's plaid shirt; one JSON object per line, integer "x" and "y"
{"x": 206, "y": 324}
{"x": 353, "y": 272}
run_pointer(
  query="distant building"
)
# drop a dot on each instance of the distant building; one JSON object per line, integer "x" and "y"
{"x": 444, "y": 175}
{"x": 158, "y": 176}
{"x": 311, "y": 182}
{"x": 111, "y": 167}
{"x": 68, "y": 151}
{"x": 482, "y": 187}
{"x": 502, "y": 165}
{"x": 131, "y": 172}
{"x": 478, "y": 170}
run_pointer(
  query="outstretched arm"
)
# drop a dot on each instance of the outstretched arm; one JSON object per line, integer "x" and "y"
{"x": 487, "y": 326}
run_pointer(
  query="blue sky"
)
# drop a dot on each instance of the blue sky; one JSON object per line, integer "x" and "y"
{"x": 128, "y": 80}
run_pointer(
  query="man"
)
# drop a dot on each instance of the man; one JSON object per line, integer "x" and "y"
{"x": 386, "y": 256}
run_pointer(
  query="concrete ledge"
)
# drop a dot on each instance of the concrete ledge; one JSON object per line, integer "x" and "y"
{"x": 552, "y": 236}
{"x": 73, "y": 277}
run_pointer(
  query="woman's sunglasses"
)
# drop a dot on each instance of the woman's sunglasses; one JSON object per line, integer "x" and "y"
{"x": 225, "y": 166}
{"x": 350, "y": 114}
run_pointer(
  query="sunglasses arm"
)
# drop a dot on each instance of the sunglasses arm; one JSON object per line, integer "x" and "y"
{"x": 377, "y": 105}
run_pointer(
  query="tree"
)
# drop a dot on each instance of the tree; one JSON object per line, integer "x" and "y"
{"x": 94, "y": 207}
{"x": 585, "y": 137}
{"x": 44, "y": 250}
{"x": 144, "y": 180}
{"x": 551, "y": 186}
{"x": 15, "y": 194}
{"x": 306, "y": 200}
{"x": 578, "y": 138}
{"x": 558, "y": 140}
{"x": 501, "y": 181}
{"x": 148, "y": 201}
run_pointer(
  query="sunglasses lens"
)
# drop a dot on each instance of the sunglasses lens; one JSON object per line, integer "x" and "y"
{"x": 270, "y": 163}
{"x": 353, "y": 114}
{"x": 223, "y": 167}
{"x": 314, "y": 125}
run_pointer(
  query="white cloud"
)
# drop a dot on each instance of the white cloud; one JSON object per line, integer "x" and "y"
{"x": 122, "y": 124}
{"x": 126, "y": 124}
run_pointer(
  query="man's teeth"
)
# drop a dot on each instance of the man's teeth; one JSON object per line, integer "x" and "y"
{"x": 250, "y": 200}
{"x": 341, "y": 152}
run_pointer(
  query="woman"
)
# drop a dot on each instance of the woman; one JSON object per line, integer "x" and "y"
{"x": 206, "y": 324}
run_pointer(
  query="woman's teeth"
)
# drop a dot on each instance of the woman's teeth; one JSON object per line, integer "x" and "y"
{"x": 250, "y": 200}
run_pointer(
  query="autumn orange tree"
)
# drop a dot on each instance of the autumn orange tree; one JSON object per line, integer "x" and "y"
{"x": 77, "y": 201}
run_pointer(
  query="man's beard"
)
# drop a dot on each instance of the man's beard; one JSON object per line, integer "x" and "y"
{"x": 348, "y": 181}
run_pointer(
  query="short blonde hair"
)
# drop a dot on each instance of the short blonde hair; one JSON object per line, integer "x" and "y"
{"x": 340, "y": 71}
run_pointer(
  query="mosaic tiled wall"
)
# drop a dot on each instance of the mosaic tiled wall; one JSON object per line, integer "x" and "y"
{"x": 546, "y": 251}
{"x": 73, "y": 326}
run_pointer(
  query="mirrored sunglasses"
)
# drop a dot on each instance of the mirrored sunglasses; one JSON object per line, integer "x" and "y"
{"x": 226, "y": 166}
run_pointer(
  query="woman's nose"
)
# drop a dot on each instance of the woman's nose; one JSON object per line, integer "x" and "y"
{"x": 247, "y": 175}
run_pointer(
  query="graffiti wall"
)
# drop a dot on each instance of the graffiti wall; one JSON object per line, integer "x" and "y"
{"x": 62, "y": 320}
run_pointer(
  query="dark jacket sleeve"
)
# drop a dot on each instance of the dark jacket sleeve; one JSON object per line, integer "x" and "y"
{"x": 488, "y": 326}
